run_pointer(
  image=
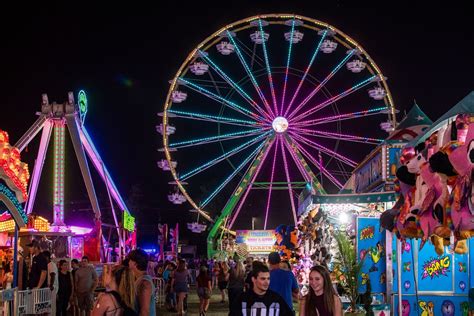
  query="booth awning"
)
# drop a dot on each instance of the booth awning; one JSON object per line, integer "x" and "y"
{"x": 354, "y": 198}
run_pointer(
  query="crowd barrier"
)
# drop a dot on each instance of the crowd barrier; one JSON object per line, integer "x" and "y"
{"x": 29, "y": 302}
{"x": 160, "y": 285}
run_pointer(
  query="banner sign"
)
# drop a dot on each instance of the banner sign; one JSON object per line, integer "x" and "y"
{"x": 257, "y": 241}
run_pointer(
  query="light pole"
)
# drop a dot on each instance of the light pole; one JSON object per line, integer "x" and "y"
{"x": 253, "y": 222}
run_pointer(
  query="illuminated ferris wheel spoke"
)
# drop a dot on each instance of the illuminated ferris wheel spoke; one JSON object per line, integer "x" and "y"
{"x": 250, "y": 74}
{"x": 252, "y": 156}
{"x": 271, "y": 183}
{"x": 213, "y": 139}
{"x": 227, "y": 103}
{"x": 301, "y": 169}
{"x": 290, "y": 45}
{"x": 269, "y": 71}
{"x": 315, "y": 162}
{"x": 222, "y": 157}
{"x": 337, "y": 136}
{"x": 234, "y": 85}
{"x": 322, "y": 83}
{"x": 213, "y": 118}
{"x": 287, "y": 174}
{"x": 341, "y": 117}
{"x": 313, "y": 57}
{"x": 328, "y": 151}
{"x": 335, "y": 98}
{"x": 249, "y": 187}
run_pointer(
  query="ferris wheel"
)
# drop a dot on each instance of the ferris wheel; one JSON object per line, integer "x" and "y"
{"x": 269, "y": 104}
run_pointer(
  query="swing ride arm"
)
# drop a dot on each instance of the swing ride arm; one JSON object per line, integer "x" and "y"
{"x": 234, "y": 199}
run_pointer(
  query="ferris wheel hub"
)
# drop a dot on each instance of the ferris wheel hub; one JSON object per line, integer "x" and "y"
{"x": 280, "y": 124}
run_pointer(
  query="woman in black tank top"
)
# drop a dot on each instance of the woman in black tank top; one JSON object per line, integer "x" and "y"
{"x": 321, "y": 299}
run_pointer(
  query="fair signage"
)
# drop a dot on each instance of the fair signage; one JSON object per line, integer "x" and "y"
{"x": 257, "y": 241}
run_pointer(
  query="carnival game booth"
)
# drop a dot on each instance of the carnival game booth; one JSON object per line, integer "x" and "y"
{"x": 432, "y": 221}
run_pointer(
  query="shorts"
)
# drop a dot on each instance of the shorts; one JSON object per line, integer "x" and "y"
{"x": 222, "y": 285}
{"x": 85, "y": 301}
{"x": 181, "y": 287}
{"x": 204, "y": 293}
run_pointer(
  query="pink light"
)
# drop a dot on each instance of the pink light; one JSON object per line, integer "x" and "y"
{"x": 285, "y": 164}
{"x": 324, "y": 149}
{"x": 340, "y": 117}
{"x": 340, "y": 136}
{"x": 303, "y": 172}
{"x": 249, "y": 187}
{"x": 319, "y": 165}
{"x": 271, "y": 185}
{"x": 80, "y": 230}
{"x": 331, "y": 100}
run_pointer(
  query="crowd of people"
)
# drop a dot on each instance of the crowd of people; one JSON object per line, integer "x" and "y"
{"x": 126, "y": 287}
{"x": 252, "y": 287}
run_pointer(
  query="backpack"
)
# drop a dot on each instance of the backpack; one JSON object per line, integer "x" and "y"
{"x": 127, "y": 310}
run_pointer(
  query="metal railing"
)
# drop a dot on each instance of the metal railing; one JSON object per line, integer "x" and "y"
{"x": 29, "y": 302}
{"x": 160, "y": 285}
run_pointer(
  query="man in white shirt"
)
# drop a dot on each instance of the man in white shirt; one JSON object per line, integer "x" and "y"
{"x": 53, "y": 282}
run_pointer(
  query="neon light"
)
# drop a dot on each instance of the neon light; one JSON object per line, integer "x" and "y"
{"x": 319, "y": 165}
{"x": 219, "y": 188}
{"x": 249, "y": 72}
{"x": 287, "y": 66}
{"x": 306, "y": 72}
{"x": 269, "y": 72}
{"x": 335, "y": 98}
{"x": 10, "y": 195}
{"x": 249, "y": 187}
{"x": 340, "y": 136}
{"x": 58, "y": 188}
{"x": 327, "y": 150}
{"x": 322, "y": 83}
{"x": 82, "y": 102}
{"x": 271, "y": 185}
{"x": 205, "y": 139}
{"x": 220, "y": 158}
{"x": 339, "y": 117}
{"x": 230, "y": 103}
{"x": 232, "y": 83}
{"x": 217, "y": 118}
{"x": 287, "y": 173}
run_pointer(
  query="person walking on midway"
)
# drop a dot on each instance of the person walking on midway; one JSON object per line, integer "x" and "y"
{"x": 260, "y": 300}
{"x": 281, "y": 281}
{"x": 321, "y": 298}
{"x": 204, "y": 290}
{"x": 85, "y": 283}
{"x": 145, "y": 303}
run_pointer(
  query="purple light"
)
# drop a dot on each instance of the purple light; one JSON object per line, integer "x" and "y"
{"x": 333, "y": 99}
{"x": 319, "y": 165}
{"x": 271, "y": 185}
{"x": 249, "y": 187}
{"x": 339, "y": 136}
{"x": 285, "y": 164}
{"x": 78, "y": 230}
{"x": 322, "y": 83}
{"x": 305, "y": 73}
{"x": 324, "y": 149}
{"x": 339, "y": 117}
{"x": 269, "y": 72}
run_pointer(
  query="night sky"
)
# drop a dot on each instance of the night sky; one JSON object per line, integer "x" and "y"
{"x": 124, "y": 60}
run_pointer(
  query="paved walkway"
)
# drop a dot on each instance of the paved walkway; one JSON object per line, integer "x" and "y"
{"x": 216, "y": 308}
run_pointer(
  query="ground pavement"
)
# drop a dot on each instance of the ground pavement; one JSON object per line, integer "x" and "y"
{"x": 216, "y": 308}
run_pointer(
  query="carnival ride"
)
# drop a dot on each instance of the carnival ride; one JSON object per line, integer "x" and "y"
{"x": 272, "y": 102}
{"x": 54, "y": 118}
